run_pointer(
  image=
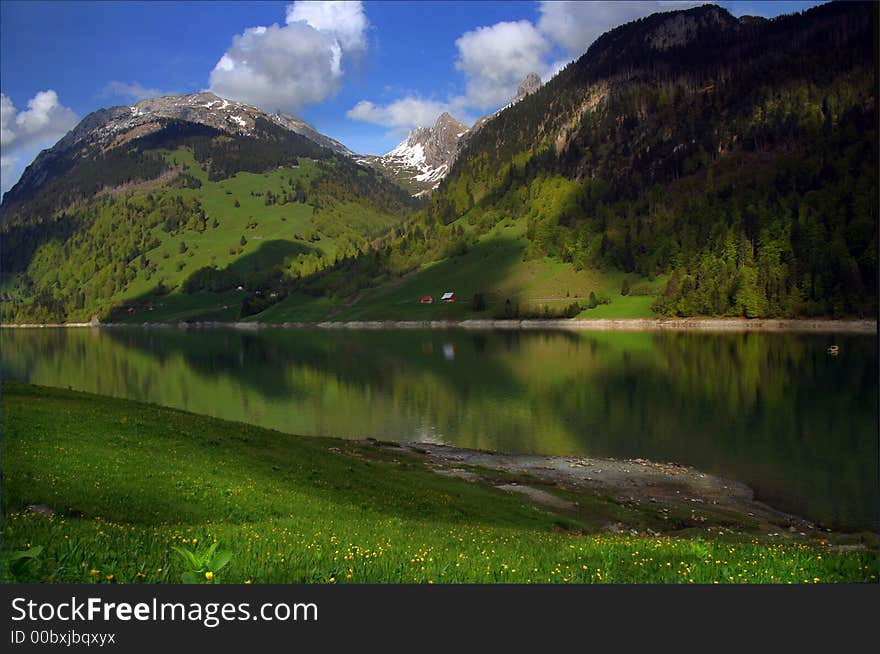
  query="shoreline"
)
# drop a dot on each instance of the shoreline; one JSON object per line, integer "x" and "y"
{"x": 849, "y": 326}
{"x": 715, "y": 501}
{"x": 616, "y": 495}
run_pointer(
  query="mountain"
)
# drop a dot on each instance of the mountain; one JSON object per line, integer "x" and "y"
{"x": 206, "y": 108}
{"x": 179, "y": 196}
{"x": 690, "y": 163}
{"x": 108, "y": 129}
{"x": 529, "y": 85}
{"x": 421, "y": 160}
{"x": 733, "y": 159}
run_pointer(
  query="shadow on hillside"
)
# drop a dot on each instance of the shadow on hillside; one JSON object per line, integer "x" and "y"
{"x": 267, "y": 255}
{"x": 479, "y": 271}
{"x": 248, "y": 270}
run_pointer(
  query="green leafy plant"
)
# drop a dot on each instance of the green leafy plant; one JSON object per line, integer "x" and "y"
{"x": 202, "y": 564}
{"x": 20, "y": 561}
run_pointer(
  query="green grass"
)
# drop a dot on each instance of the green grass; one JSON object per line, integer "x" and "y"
{"x": 296, "y": 237}
{"x": 629, "y": 306}
{"x": 296, "y": 307}
{"x": 178, "y": 307}
{"x": 129, "y": 482}
{"x": 494, "y": 267}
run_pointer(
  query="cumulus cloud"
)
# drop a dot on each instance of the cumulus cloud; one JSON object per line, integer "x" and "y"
{"x": 403, "y": 114}
{"x": 299, "y": 63}
{"x": 8, "y": 165}
{"x": 575, "y": 25}
{"x": 45, "y": 119}
{"x": 497, "y": 58}
{"x": 23, "y": 134}
{"x": 343, "y": 22}
{"x": 494, "y": 61}
{"x": 129, "y": 90}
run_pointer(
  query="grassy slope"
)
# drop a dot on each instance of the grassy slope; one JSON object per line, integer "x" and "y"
{"x": 493, "y": 267}
{"x": 129, "y": 481}
{"x": 290, "y": 235}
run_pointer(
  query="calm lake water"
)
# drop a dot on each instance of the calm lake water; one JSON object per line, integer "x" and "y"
{"x": 775, "y": 411}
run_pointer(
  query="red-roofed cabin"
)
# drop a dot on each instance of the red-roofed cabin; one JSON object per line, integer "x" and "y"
{"x": 427, "y": 300}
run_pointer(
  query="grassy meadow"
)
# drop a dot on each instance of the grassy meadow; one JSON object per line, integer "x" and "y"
{"x": 112, "y": 491}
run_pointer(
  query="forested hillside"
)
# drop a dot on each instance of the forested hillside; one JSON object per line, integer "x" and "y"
{"x": 690, "y": 163}
{"x": 184, "y": 210}
{"x": 737, "y": 156}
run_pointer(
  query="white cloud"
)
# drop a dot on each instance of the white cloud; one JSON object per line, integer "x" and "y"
{"x": 44, "y": 119}
{"x": 7, "y": 117}
{"x": 286, "y": 67}
{"x": 129, "y": 90}
{"x": 344, "y": 22}
{"x": 497, "y": 58}
{"x": 23, "y": 134}
{"x": 402, "y": 115}
{"x": 8, "y": 166}
{"x": 494, "y": 60}
{"x": 575, "y": 25}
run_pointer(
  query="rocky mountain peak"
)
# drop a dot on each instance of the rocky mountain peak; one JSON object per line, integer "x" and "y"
{"x": 424, "y": 157}
{"x": 113, "y": 126}
{"x": 210, "y": 109}
{"x": 444, "y": 136}
{"x": 529, "y": 85}
{"x": 678, "y": 29}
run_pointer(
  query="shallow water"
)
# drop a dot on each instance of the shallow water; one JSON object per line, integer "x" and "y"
{"x": 773, "y": 410}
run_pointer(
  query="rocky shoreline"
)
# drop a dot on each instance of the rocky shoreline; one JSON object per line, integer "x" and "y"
{"x": 855, "y": 326}
{"x": 674, "y": 491}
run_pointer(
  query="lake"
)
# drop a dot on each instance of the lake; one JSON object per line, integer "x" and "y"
{"x": 773, "y": 410}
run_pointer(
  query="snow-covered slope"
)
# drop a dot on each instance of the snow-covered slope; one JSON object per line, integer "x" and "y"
{"x": 421, "y": 160}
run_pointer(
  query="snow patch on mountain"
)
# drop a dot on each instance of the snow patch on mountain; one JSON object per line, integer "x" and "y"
{"x": 423, "y": 158}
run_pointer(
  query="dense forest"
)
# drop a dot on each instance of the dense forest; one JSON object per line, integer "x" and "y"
{"x": 743, "y": 163}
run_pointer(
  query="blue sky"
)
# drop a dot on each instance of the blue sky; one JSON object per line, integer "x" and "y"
{"x": 363, "y": 73}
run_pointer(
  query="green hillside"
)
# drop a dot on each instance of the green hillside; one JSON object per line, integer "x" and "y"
{"x": 492, "y": 269}
{"x": 185, "y": 246}
{"x": 742, "y": 163}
